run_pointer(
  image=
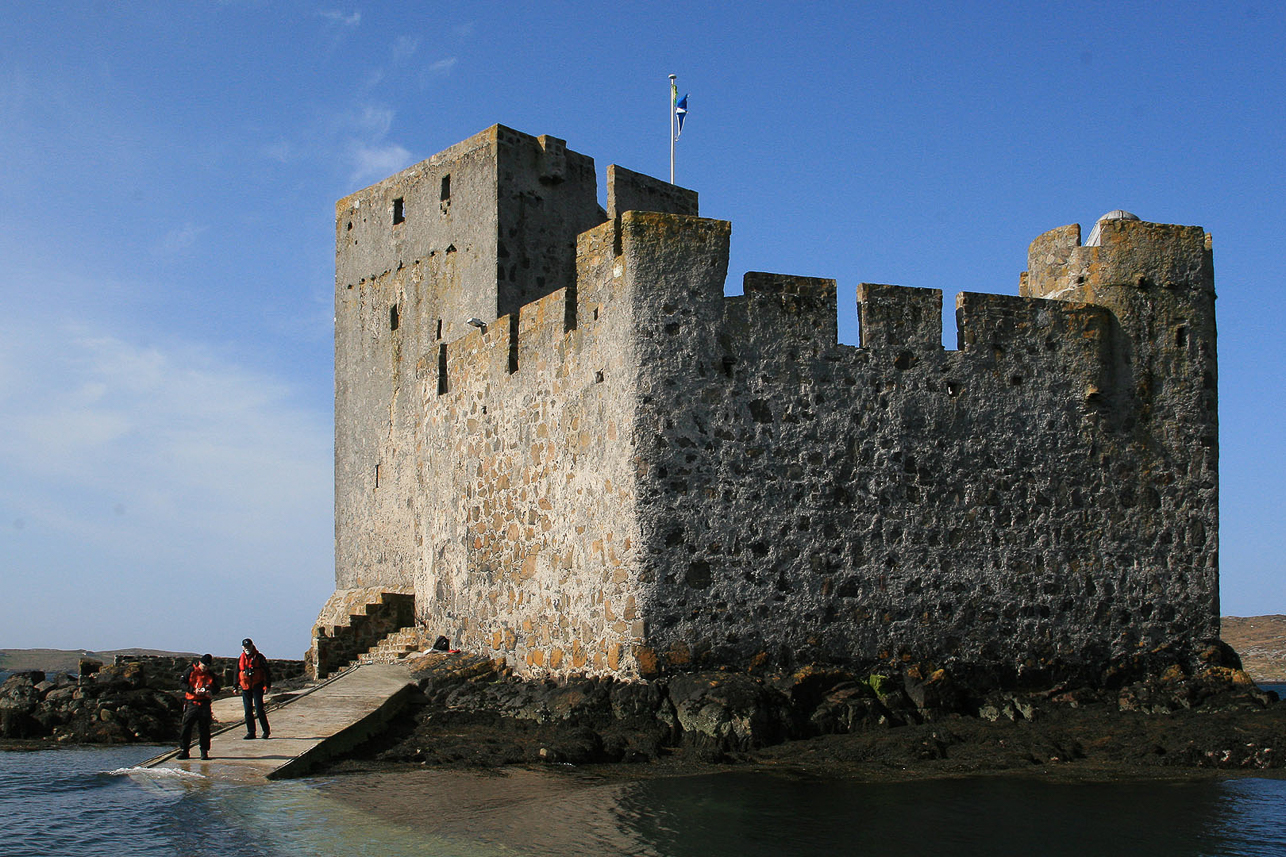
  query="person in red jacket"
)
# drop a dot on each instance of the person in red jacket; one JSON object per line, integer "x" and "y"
{"x": 199, "y": 687}
{"x": 254, "y": 680}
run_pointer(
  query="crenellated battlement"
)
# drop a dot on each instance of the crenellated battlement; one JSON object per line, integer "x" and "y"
{"x": 554, "y": 427}
{"x": 1124, "y": 251}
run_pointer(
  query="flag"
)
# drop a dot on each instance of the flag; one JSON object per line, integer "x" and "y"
{"x": 680, "y": 111}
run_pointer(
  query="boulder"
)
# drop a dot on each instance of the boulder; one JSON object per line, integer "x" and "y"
{"x": 727, "y": 711}
{"x": 18, "y": 699}
{"x": 123, "y": 675}
{"x": 849, "y": 707}
{"x": 933, "y": 690}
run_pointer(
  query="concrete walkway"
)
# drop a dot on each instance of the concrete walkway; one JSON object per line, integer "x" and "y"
{"x": 313, "y": 726}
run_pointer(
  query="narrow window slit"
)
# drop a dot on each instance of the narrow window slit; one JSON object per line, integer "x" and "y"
{"x": 442, "y": 369}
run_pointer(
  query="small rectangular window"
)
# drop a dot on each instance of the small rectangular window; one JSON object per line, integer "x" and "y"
{"x": 399, "y": 211}
{"x": 446, "y": 188}
{"x": 392, "y": 317}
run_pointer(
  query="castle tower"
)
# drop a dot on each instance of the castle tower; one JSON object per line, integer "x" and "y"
{"x": 1160, "y": 399}
{"x": 475, "y": 231}
{"x": 616, "y": 469}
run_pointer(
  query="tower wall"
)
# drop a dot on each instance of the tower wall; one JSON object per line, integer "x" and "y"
{"x": 475, "y": 231}
{"x": 1024, "y": 503}
{"x": 626, "y": 472}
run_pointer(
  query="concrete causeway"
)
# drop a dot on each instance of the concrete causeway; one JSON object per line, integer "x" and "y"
{"x": 307, "y": 729}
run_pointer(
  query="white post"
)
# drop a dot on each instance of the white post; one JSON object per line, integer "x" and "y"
{"x": 673, "y": 94}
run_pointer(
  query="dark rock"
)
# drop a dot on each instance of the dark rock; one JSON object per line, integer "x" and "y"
{"x": 62, "y": 693}
{"x": 810, "y": 685}
{"x": 123, "y": 675}
{"x": 848, "y": 708}
{"x": 729, "y": 711}
{"x": 1175, "y": 713}
{"x": 933, "y": 690}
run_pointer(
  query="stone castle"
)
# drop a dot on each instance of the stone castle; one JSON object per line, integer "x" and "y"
{"x": 559, "y": 443}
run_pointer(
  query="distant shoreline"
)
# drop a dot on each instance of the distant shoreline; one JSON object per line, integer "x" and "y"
{"x": 68, "y": 660}
{"x": 1259, "y": 640}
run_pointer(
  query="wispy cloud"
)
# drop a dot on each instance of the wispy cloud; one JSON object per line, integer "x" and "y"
{"x": 377, "y": 162}
{"x": 405, "y": 47}
{"x": 371, "y": 154}
{"x": 351, "y": 20}
{"x": 133, "y": 472}
{"x": 443, "y": 66}
{"x": 374, "y": 121}
{"x": 179, "y": 239}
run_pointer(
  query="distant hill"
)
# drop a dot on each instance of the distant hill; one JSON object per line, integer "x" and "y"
{"x": 1261, "y": 642}
{"x": 66, "y": 660}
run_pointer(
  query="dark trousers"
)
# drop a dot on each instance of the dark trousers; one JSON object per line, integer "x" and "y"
{"x": 198, "y": 716}
{"x": 253, "y": 701}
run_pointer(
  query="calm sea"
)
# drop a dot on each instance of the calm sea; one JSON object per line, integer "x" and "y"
{"x": 88, "y": 801}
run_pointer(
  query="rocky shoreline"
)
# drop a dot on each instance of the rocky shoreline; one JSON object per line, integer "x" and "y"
{"x": 1144, "y": 717}
{"x": 134, "y": 700}
{"x": 1158, "y": 714}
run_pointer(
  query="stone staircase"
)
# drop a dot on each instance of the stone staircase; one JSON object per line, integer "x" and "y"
{"x": 353, "y": 622}
{"x": 396, "y": 646}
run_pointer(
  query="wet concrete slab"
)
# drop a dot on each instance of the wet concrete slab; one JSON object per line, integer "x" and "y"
{"x": 309, "y": 728}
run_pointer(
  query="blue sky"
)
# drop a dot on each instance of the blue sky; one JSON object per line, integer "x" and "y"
{"x": 168, "y": 174}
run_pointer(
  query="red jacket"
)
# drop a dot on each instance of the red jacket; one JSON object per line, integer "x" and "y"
{"x": 199, "y": 686}
{"x": 252, "y": 671}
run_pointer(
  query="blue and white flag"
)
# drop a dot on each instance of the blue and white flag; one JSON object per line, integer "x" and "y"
{"x": 680, "y": 112}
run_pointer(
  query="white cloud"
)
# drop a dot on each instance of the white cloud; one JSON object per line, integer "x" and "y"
{"x": 379, "y": 161}
{"x": 138, "y": 477}
{"x": 405, "y": 47}
{"x": 443, "y": 66}
{"x": 340, "y": 18}
{"x": 371, "y": 121}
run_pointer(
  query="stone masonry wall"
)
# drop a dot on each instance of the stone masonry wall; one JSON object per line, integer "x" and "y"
{"x": 1021, "y": 502}
{"x": 530, "y": 539}
{"x": 417, "y": 255}
{"x": 626, "y": 472}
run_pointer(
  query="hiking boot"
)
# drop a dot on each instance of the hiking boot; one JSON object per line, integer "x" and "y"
{"x": 249, "y": 737}
{"x": 183, "y": 754}
{"x": 205, "y": 757}
{"x": 266, "y": 733}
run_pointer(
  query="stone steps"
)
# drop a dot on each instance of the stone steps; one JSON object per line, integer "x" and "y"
{"x": 355, "y": 621}
{"x": 395, "y": 647}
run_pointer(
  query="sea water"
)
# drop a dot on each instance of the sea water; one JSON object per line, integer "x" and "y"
{"x": 94, "y": 801}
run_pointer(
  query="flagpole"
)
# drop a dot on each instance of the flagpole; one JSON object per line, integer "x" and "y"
{"x": 673, "y": 95}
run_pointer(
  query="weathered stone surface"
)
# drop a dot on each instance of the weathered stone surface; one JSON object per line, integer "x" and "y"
{"x": 478, "y": 713}
{"x": 619, "y": 471}
{"x": 729, "y": 711}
